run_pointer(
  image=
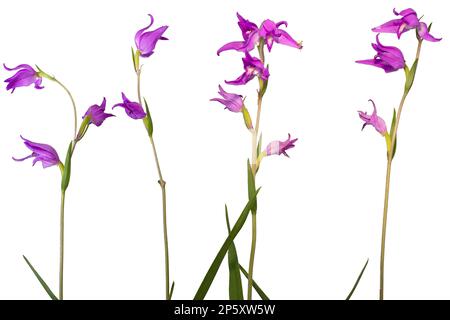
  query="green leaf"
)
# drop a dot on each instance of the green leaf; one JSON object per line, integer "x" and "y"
{"x": 134, "y": 59}
{"x": 251, "y": 186}
{"x": 255, "y": 285}
{"x": 235, "y": 282}
{"x": 66, "y": 173}
{"x": 391, "y": 132}
{"x": 41, "y": 281}
{"x": 171, "y": 290}
{"x": 410, "y": 77}
{"x": 212, "y": 271}
{"x": 357, "y": 280}
{"x": 148, "y": 120}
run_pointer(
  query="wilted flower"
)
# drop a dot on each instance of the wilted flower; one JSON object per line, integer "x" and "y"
{"x": 97, "y": 114}
{"x": 280, "y": 147}
{"x": 146, "y": 41}
{"x": 231, "y": 101}
{"x": 253, "y": 67}
{"x": 269, "y": 31}
{"x": 388, "y": 58}
{"x": 408, "y": 21}
{"x": 373, "y": 120}
{"x": 41, "y": 152}
{"x": 24, "y": 77}
{"x": 133, "y": 109}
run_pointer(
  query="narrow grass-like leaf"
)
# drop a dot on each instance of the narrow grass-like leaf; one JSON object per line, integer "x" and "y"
{"x": 357, "y": 280}
{"x": 258, "y": 148}
{"x": 212, "y": 271}
{"x": 251, "y": 186}
{"x": 41, "y": 281}
{"x": 171, "y": 290}
{"x": 235, "y": 282}
{"x": 148, "y": 120}
{"x": 391, "y": 131}
{"x": 255, "y": 285}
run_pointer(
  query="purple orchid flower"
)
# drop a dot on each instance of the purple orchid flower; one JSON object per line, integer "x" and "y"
{"x": 133, "y": 109}
{"x": 373, "y": 120}
{"x": 390, "y": 59}
{"x": 231, "y": 101}
{"x": 408, "y": 21}
{"x": 146, "y": 41}
{"x": 253, "y": 67}
{"x": 24, "y": 77}
{"x": 97, "y": 113}
{"x": 280, "y": 147}
{"x": 271, "y": 32}
{"x": 41, "y": 152}
{"x": 250, "y": 34}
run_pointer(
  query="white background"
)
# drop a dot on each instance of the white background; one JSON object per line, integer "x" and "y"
{"x": 320, "y": 211}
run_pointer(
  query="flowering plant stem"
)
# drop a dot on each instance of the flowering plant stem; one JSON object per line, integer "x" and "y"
{"x": 61, "y": 247}
{"x": 255, "y": 133}
{"x": 162, "y": 184}
{"x": 410, "y": 74}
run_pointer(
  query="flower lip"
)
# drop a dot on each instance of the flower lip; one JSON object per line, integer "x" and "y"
{"x": 133, "y": 109}
{"x": 40, "y": 152}
{"x": 25, "y": 76}
{"x": 253, "y": 67}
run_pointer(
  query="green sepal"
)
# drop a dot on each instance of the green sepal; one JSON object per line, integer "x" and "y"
{"x": 41, "y": 281}
{"x": 67, "y": 165}
{"x": 235, "y": 282}
{"x": 148, "y": 120}
{"x": 212, "y": 271}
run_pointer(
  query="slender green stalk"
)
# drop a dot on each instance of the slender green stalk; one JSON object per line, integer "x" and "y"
{"x": 162, "y": 184}
{"x": 61, "y": 247}
{"x": 388, "y": 177}
{"x": 254, "y": 169}
{"x": 74, "y": 108}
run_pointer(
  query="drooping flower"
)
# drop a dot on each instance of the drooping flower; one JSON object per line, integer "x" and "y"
{"x": 388, "y": 58}
{"x": 41, "y": 152}
{"x": 97, "y": 114}
{"x": 253, "y": 67}
{"x": 280, "y": 147}
{"x": 231, "y": 101}
{"x": 146, "y": 41}
{"x": 408, "y": 21}
{"x": 24, "y": 77}
{"x": 271, "y": 33}
{"x": 133, "y": 109}
{"x": 373, "y": 120}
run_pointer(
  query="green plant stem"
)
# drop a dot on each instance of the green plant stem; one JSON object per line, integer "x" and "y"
{"x": 74, "y": 109}
{"x": 388, "y": 179}
{"x": 61, "y": 247}
{"x": 254, "y": 169}
{"x": 162, "y": 184}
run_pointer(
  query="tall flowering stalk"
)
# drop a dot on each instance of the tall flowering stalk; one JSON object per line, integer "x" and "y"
{"x": 26, "y": 75}
{"x": 146, "y": 41}
{"x": 391, "y": 59}
{"x": 260, "y": 37}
